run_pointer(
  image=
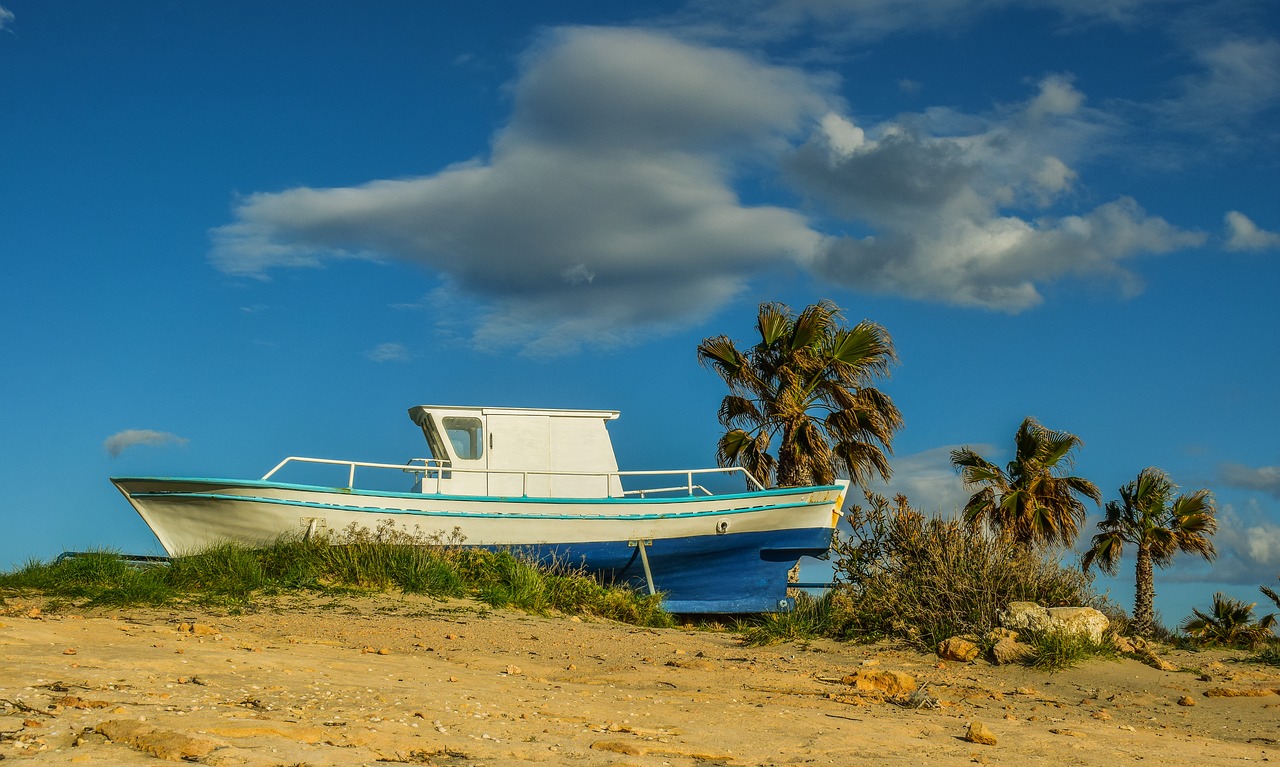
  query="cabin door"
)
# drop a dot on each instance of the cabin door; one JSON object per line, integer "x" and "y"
{"x": 519, "y": 449}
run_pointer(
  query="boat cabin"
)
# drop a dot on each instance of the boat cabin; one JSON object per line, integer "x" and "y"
{"x": 517, "y": 452}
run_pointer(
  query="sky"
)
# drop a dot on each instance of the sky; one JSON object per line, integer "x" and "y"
{"x": 236, "y": 231}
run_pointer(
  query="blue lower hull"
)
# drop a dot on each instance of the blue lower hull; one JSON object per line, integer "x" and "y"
{"x": 739, "y": 573}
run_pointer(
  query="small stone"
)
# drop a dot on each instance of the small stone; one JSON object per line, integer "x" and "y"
{"x": 1009, "y": 650}
{"x": 1186, "y": 700}
{"x": 69, "y": 651}
{"x": 1122, "y": 644}
{"x": 893, "y": 684}
{"x": 978, "y": 733}
{"x": 957, "y": 649}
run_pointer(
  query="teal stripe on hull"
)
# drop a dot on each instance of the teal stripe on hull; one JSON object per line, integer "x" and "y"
{"x": 474, "y": 514}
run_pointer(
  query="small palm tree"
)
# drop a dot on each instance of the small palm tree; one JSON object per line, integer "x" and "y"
{"x": 1230, "y": 623}
{"x": 1159, "y": 525}
{"x": 1032, "y": 501}
{"x": 807, "y": 382}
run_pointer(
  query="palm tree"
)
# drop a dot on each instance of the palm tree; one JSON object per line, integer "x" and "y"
{"x": 1149, "y": 517}
{"x": 1230, "y": 623}
{"x": 1031, "y": 501}
{"x": 805, "y": 382}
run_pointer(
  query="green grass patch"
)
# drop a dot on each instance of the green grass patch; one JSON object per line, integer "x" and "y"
{"x": 811, "y": 618}
{"x": 1057, "y": 650}
{"x": 1269, "y": 655}
{"x": 357, "y": 562}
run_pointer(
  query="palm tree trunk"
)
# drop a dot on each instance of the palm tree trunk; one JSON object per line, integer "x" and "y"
{"x": 791, "y": 470}
{"x": 1145, "y": 594}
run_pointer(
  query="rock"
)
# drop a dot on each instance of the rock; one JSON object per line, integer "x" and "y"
{"x": 1030, "y": 616}
{"x": 1236, "y": 692}
{"x": 1079, "y": 620}
{"x": 978, "y": 733}
{"x": 1150, "y": 658}
{"x": 1024, "y": 616}
{"x": 618, "y": 747}
{"x": 1186, "y": 700}
{"x": 958, "y": 649}
{"x": 165, "y": 744}
{"x": 289, "y": 731}
{"x": 1122, "y": 644}
{"x": 1009, "y": 650}
{"x": 890, "y": 684}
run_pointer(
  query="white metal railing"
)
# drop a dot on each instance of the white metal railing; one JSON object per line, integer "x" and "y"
{"x": 437, "y": 470}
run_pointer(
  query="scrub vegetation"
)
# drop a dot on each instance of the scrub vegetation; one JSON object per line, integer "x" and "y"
{"x": 906, "y": 576}
{"x": 357, "y": 562}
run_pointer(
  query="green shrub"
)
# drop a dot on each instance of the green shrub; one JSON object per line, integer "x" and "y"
{"x": 1230, "y": 623}
{"x": 923, "y": 580}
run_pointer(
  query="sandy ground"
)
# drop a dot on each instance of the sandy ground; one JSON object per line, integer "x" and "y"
{"x": 392, "y": 680}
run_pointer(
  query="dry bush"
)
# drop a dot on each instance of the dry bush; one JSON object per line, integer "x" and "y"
{"x": 903, "y": 574}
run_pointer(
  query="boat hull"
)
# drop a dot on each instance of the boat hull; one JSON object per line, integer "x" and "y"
{"x": 706, "y": 554}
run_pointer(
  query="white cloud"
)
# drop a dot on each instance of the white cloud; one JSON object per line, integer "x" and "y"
{"x": 1243, "y": 234}
{"x": 873, "y": 19}
{"x": 1264, "y": 478}
{"x": 605, "y": 209}
{"x": 6, "y": 16}
{"x": 1239, "y": 78}
{"x": 388, "y": 352}
{"x": 929, "y": 481}
{"x": 944, "y": 196}
{"x": 123, "y": 440}
{"x": 1248, "y": 544}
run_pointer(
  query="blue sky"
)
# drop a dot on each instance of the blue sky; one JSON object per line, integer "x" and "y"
{"x": 236, "y": 231}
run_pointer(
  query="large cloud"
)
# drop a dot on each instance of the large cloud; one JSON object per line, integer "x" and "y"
{"x": 606, "y": 206}
{"x": 942, "y": 196}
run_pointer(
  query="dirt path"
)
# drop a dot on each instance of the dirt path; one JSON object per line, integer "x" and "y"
{"x": 423, "y": 682}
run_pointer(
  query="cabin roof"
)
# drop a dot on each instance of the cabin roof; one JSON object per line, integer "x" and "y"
{"x": 416, "y": 411}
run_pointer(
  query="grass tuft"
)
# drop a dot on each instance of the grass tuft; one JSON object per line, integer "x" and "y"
{"x": 1057, "y": 650}
{"x": 811, "y": 618}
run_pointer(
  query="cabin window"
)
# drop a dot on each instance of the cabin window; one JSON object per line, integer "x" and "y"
{"x": 467, "y": 437}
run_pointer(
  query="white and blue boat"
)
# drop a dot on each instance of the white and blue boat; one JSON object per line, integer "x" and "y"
{"x": 542, "y": 481}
